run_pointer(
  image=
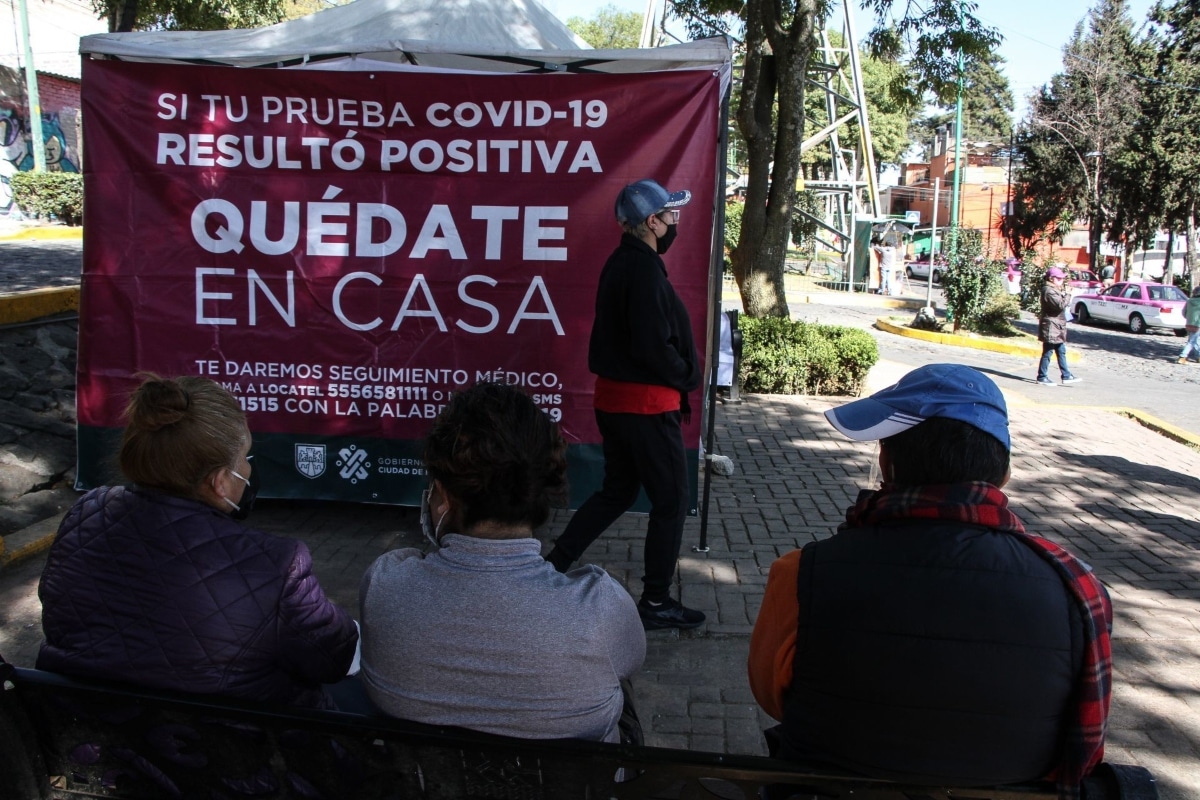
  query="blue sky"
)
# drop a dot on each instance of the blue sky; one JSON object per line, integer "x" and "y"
{"x": 1034, "y": 31}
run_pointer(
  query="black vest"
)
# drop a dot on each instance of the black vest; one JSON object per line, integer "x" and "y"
{"x": 931, "y": 652}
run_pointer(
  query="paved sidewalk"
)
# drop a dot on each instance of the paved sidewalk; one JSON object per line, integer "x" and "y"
{"x": 1120, "y": 496}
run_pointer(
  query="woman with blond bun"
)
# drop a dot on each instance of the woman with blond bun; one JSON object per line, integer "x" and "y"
{"x": 158, "y": 583}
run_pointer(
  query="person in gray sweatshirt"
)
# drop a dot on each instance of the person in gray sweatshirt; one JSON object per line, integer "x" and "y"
{"x": 481, "y": 632}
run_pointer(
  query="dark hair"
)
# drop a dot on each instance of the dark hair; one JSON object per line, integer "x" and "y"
{"x": 941, "y": 450}
{"x": 178, "y": 431}
{"x": 498, "y": 455}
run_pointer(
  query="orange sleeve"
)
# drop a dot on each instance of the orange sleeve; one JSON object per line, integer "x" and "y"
{"x": 773, "y": 642}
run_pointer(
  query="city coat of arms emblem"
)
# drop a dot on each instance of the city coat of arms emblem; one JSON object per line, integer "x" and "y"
{"x": 310, "y": 460}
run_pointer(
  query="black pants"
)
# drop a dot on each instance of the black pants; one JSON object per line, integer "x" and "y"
{"x": 640, "y": 450}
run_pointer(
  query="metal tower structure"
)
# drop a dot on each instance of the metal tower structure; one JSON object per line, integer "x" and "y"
{"x": 847, "y": 186}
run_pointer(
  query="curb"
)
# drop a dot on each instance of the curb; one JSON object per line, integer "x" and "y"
{"x": 960, "y": 341}
{"x": 28, "y": 542}
{"x": 37, "y": 303}
{"x": 1159, "y": 426}
{"x": 731, "y": 297}
{"x": 44, "y": 233}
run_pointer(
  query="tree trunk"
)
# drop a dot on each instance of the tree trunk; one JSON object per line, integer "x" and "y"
{"x": 775, "y": 66}
{"x": 1095, "y": 233}
{"x": 1193, "y": 263}
{"x": 122, "y": 16}
{"x": 1167, "y": 270}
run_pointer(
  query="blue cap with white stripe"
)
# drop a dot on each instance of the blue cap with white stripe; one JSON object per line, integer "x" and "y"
{"x": 934, "y": 390}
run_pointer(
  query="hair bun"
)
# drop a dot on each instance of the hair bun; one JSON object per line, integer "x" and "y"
{"x": 158, "y": 403}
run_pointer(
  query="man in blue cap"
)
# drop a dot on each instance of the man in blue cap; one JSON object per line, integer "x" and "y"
{"x": 932, "y": 639}
{"x": 644, "y": 358}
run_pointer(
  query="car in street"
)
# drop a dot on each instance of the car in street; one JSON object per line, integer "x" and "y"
{"x": 920, "y": 269}
{"x": 1083, "y": 281}
{"x": 1137, "y": 304}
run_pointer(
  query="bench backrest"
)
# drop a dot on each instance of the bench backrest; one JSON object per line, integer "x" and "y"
{"x": 60, "y": 738}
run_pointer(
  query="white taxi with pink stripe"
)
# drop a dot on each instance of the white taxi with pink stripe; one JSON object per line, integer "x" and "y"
{"x": 1138, "y": 305}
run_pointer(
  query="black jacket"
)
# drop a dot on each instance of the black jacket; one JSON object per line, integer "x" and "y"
{"x": 931, "y": 652}
{"x": 642, "y": 333}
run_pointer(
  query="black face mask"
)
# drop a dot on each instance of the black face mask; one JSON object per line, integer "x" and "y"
{"x": 664, "y": 241}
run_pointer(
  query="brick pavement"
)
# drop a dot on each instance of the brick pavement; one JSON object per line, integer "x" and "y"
{"x": 1120, "y": 496}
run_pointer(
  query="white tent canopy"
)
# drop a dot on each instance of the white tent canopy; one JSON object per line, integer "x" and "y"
{"x": 487, "y": 35}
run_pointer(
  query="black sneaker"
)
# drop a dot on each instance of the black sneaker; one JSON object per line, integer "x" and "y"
{"x": 668, "y": 614}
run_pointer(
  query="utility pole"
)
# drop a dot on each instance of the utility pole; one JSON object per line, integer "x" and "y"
{"x": 937, "y": 190}
{"x": 1008, "y": 194}
{"x": 649, "y": 20}
{"x": 37, "y": 145}
{"x": 958, "y": 113}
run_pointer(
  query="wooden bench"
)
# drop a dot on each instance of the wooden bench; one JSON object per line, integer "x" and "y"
{"x": 61, "y": 738}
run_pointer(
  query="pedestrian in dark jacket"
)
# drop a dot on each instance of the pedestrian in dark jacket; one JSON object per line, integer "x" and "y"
{"x": 1052, "y": 328}
{"x": 158, "y": 584}
{"x": 642, "y": 353}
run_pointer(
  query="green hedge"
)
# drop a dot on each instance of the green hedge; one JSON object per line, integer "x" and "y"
{"x": 47, "y": 194}
{"x": 784, "y": 357}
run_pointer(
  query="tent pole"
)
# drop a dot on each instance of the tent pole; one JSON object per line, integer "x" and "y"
{"x": 716, "y": 283}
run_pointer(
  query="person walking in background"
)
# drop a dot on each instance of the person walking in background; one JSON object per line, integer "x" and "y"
{"x": 1191, "y": 313}
{"x": 1052, "y": 328}
{"x": 158, "y": 584}
{"x": 481, "y": 632}
{"x": 1108, "y": 273}
{"x": 1012, "y": 276}
{"x": 644, "y": 358}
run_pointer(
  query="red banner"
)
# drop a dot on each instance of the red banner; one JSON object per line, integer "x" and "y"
{"x": 343, "y": 250}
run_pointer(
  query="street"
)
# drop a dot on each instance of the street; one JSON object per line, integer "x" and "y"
{"x": 1119, "y": 369}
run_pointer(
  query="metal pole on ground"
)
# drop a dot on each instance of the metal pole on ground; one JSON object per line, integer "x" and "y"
{"x": 716, "y": 281}
{"x": 937, "y": 189}
{"x": 37, "y": 145}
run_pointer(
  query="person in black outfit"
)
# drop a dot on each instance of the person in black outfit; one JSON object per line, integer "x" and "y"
{"x": 644, "y": 358}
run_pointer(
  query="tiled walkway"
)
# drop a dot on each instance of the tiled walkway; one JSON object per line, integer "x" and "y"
{"x": 1123, "y": 498}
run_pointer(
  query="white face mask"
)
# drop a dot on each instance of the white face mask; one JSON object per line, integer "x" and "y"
{"x": 432, "y": 533}
{"x": 242, "y": 510}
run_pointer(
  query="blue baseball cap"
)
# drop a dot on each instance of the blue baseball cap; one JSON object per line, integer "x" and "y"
{"x": 952, "y": 391}
{"x": 639, "y": 201}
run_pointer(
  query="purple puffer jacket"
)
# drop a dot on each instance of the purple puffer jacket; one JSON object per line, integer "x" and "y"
{"x": 146, "y": 587}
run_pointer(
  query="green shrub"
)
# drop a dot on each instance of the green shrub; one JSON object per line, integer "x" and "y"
{"x": 1033, "y": 278}
{"x": 733, "y": 224}
{"x": 784, "y": 357}
{"x": 969, "y": 280}
{"x": 996, "y": 317}
{"x": 50, "y": 194}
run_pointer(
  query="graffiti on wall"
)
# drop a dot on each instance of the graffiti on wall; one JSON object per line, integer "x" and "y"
{"x": 15, "y": 136}
{"x": 16, "y": 145}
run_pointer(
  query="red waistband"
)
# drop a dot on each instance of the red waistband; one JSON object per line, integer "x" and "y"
{"x": 620, "y": 397}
